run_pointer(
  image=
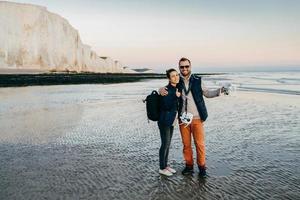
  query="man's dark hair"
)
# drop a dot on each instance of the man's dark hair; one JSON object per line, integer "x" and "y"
{"x": 183, "y": 59}
{"x": 169, "y": 71}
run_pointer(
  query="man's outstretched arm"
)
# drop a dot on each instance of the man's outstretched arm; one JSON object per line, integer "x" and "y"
{"x": 211, "y": 93}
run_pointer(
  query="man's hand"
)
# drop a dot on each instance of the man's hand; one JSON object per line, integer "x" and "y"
{"x": 225, "y": 90}
{"x": 163, "y": 91}
{"x": 222, "y": 89}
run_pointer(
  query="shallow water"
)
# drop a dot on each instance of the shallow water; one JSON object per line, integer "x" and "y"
{"x": 275, "y": 82}
{"x": 94, "y": 142}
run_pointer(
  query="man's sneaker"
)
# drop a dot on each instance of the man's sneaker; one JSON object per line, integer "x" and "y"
{"x": 188, "y": 170}
{"x": 202, "y": 171}
{"x": 165, "y": 172}
{"x": 171, "y": 170}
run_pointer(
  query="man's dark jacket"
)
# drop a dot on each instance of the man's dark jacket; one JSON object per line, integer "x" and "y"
{"x": 196, "y": 90}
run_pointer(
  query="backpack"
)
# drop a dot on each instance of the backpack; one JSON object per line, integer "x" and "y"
{"x": 152, "y": 105}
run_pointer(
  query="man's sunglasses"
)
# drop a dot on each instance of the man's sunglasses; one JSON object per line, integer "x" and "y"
{"x": 185, "y": 66}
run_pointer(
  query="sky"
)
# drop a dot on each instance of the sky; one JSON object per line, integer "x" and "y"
{"x": 215, "y": 35}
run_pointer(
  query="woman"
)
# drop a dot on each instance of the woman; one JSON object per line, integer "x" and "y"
{"x": 167, "y": 120}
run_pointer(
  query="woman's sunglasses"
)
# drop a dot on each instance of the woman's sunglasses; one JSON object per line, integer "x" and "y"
{"x": 185, "y": 66}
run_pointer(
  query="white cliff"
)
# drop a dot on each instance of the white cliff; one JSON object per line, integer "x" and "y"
{"x": 33, "y": 38}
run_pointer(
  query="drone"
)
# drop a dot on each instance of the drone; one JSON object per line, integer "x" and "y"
{"x": 228, "y": 87}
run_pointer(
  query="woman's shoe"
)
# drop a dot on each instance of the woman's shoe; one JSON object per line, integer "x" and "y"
{"x": 165, "y": 172}
{"x": 173, "y": 171}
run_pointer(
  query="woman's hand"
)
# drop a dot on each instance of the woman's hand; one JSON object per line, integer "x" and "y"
{"x": 178, "y": 94}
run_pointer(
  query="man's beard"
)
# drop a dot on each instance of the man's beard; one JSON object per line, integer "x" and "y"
{"x": 186, "y": 74}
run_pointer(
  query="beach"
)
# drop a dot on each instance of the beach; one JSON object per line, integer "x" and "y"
{"x": 93, "y": 141}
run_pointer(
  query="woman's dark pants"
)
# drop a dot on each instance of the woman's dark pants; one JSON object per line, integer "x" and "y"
{"x": 166, "y": 133}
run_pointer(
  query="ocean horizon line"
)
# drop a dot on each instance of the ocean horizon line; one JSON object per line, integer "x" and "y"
{"x": 235, "y": 69}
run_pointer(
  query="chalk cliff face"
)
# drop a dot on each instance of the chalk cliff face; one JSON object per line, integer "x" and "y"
{"x": 33, "y": 38}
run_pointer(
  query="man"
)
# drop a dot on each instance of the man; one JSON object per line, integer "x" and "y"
{"x": 192, "y": 102}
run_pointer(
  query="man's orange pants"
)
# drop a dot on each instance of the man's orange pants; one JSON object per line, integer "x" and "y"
{"x": 196, "y": 129}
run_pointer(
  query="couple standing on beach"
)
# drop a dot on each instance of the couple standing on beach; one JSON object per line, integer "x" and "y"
{"x": 182, "y": 98}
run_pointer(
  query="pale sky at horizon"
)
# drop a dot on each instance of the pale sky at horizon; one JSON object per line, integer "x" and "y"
{"x": 215, "y": 33}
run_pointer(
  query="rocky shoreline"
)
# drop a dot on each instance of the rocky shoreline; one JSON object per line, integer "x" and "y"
{"x": 19, "y": 80}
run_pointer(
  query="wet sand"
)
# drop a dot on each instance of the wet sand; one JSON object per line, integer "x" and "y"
{"x": 94, "y": 142}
